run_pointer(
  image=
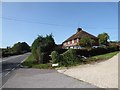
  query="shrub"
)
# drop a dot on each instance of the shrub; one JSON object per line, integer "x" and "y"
{"x": 46, "y": 45}
{"x": 55, "y": 57}
{"x": 69, "y": 58}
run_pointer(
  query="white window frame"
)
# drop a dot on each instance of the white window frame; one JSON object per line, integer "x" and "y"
{"x": 68, "y": 42}
{"x": 72, "y": 41}
{"x": 77, "y": 40}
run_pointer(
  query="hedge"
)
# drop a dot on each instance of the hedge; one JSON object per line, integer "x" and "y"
{"x": 96, "y": 51}
{"x": 70, "y": 57}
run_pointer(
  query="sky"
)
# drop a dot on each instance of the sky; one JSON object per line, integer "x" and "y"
{"x": 23, "y": 22}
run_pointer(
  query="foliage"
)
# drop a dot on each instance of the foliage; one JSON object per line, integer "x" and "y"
{"x": 21, "y": 47}
{"x": 55, "y": 57}
{"x": 69, "y": 58}
{"x": 103, "y": 37}
{"x": 100, "y": 57}
{"x": 30, "y": 63}
{"x": 43, "y": 45}
{"x": 18, "y": 48}
{"x": 86, "y": 42}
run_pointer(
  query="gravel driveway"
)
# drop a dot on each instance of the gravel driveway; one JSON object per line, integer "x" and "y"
{"x": 103, "y": 74}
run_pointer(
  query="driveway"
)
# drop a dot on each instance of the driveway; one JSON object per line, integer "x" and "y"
{"x": 43, "y": 78}
{"x": 103, "y": 74}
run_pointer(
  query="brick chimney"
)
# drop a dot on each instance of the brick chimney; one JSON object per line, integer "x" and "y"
{"x": 79, "y": 29}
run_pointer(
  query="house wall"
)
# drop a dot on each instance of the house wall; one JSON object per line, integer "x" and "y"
{"x": 74, "y": 45}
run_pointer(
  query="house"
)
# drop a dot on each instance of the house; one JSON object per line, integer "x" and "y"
{"x": 72, "y": 42}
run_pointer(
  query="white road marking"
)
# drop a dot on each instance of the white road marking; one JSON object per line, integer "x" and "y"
{"x": 13, "y": 69}
{"x": 7, "y": 73}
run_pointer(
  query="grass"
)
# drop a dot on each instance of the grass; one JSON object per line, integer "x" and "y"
{"x": 30, "y": 63}
{"x": 100, "y": 57}
{"x": 105, "y": 56}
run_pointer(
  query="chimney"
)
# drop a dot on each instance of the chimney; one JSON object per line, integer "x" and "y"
{"x": 79, "y": 29}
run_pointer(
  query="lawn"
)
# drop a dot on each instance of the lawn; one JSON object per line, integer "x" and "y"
{"x": 100, "y": 57}
{"x": 105, "y": 56}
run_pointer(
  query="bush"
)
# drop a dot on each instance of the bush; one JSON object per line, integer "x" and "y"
{"x": 46, "y": 45}
{"x": 69, "y": 58}
{"x": 55, "y": 57}
{"x": 96, "y": 51}
{"x": 60, "y": 50}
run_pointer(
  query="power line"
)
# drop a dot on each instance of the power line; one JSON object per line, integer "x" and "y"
{"x": 51, "y": 24}
{"x": 14, "y": 19}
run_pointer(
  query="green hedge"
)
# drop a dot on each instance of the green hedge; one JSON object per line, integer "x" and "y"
{"x": 96, "y": 51}
{"x": 68, "y": 58}
{"x": 55, "y": 57}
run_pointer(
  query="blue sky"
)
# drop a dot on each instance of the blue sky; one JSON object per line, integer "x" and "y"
{"x": 25, "y": 21}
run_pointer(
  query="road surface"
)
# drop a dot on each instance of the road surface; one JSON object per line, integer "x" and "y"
{"x": 43, "y": 78}
{"x": 9, "y": 64}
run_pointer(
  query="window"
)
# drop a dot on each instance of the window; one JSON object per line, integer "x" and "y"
{"x": 77, "y": 40}
{"x": 72, "y": 41}
{"x": 68, "y": 42}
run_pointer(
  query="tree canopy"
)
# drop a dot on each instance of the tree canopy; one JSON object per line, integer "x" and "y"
{"x": 21, "y": 47}
{"x": 86, "y": 42}
{"x": 103, "y": 38}
{"x": 42, "y": 45}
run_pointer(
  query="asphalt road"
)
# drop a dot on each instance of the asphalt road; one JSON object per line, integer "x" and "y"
{"x": 9, "y": 64}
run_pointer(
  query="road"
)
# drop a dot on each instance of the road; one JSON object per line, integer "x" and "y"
{"x": 9, "y": 64}
{"x": 43, "y": 78}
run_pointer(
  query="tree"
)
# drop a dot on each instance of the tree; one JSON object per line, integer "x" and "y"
{"x": 86, "y": 42}
{"x": 103, "y": 37}
{"x": 25, "y": 47}
{"x": 17, "y": 48}
{"x": 21, "y": 47}
{"x": 41, "y": 46}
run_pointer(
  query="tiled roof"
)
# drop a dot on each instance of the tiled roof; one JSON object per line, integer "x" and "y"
{"x": 79, "y": 34}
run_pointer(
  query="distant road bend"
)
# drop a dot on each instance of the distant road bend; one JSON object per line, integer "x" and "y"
{"x": 9, "y": 64}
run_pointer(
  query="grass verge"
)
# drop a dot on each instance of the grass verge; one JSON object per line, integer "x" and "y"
{"x": 100, "y": 57}
{"x": 30, "y": 63}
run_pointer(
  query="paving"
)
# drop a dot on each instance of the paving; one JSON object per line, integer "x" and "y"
{"x": 103, "y": 74}
{"x": 43, "y": 78}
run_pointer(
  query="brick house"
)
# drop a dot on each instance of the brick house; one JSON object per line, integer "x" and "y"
{"x": 72, "y": 42}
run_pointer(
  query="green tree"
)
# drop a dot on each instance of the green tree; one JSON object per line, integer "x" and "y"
{"x": 20, "y": 47}
{"x": 103, "y": 38}
{"x": 25, "y": 47}
{"x": 17, "y": 48}
{"x": 45, "y": 44}
{"x": 86, "y": 42}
